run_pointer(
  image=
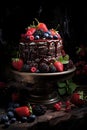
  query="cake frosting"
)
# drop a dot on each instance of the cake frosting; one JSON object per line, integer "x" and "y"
{"x": 40, "y": 48}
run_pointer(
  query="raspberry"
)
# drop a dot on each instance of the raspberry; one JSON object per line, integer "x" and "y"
{"x": 33, "y": 69}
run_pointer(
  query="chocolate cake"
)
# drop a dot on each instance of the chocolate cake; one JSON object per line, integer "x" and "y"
{"x": 40, "y": 48}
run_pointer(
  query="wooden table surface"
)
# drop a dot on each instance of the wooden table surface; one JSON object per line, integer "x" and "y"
{"x": 51, "y": 119}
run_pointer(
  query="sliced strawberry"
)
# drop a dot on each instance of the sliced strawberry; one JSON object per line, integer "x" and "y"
{"x": 23, "y": 111}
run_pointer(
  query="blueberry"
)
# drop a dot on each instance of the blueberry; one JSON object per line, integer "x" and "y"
{"x": 16, "y": 105}
{"x": 36, "y": 37}
{"x": 10, "y": 109}
{"x": 24, "y": 119}
{"x": 50, "y": 37}
{"x": 10, "y": 114}
{"x": 46, "y": 35}
{"x": 31, "y": 118}
{"x": 55, "y": 37}
{"x": 13, "y": 120}
{"x": 4, "y": 118}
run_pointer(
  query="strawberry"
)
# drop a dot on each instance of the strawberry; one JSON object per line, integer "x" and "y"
{"x": 53, "y": 31}
{"x": 22, "y": 111}
{"x": 59, "y": 66}
{"x": 77, "y": 98}
{"x": 17, "y": 63}
{"x": 42, "y": 26}
{"x": 30, "y": 31}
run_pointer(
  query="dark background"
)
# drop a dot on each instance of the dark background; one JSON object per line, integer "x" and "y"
{"x": 15, "y": 16}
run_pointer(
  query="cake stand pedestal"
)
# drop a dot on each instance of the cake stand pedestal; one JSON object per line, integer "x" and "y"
{"x": 44, "y": 88}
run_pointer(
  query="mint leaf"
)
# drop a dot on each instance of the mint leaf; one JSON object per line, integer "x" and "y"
{"x": 62, "y": 91}
{"x": 66, "y": 57}
{"x": 71, "y": 88}
{"x": 61, "y": 84}
{"x": 60, "y": 58}
{"x": 64, "y": 62}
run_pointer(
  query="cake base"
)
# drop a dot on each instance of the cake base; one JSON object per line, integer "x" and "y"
{"x": 44, "y": 88}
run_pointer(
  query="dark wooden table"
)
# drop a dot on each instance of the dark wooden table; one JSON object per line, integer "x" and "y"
{"x": 76, "y": 118}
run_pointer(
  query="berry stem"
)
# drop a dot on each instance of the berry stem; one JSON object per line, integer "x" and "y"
{"x": 37, "y": 20}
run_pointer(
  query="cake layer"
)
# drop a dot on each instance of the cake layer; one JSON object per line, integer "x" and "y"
{"x": 39, "y": 49}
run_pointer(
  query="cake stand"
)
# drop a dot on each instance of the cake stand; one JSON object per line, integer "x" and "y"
{"x": 44, "y": 89}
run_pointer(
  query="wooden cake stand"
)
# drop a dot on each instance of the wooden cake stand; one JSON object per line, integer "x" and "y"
{"x": 44, "y": 88}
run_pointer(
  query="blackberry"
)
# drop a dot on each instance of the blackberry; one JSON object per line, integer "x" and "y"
{"x": 38, "y": 110}
{"x": 70, "y": 63}
{"x": 32, "y": 64}
{"x": 26, "y": 68}
{"x": 44, "y": 68}
{"x": 66, "y": 66}
{"x": 52, "y": 68}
